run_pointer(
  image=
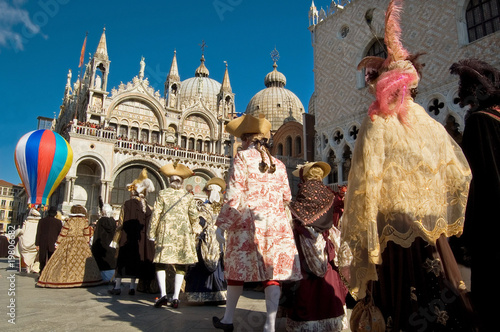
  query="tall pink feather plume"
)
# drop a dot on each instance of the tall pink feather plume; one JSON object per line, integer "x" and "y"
{"x": 392, "y": 39}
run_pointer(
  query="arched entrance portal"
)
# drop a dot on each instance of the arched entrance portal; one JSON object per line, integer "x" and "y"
{"x": 87, "y": 187}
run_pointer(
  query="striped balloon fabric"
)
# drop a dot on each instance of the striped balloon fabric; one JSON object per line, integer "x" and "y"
{"x": 43, "y": 158}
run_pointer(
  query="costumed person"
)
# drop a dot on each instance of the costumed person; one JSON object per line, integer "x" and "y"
{"x": 27, "y": 238}
{"x": 104, "y": 232}
{"x": 256, "y": 221}
{"x": 135, "y": 250}
{"x": 4, "y": 245}
{"x": 408, "y": 188}
{"x": 338, "y": 204}
{"x": 317, "y": 302}
{"x": 72, "y": 264}
{"x": 479, "y": 88}
{"x": 174, "y": 228}
{"x": 205, "y": 280}
{"x": 46, "y": 236}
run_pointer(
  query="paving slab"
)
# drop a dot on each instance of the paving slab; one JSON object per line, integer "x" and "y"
{"x": 25, "y": 307}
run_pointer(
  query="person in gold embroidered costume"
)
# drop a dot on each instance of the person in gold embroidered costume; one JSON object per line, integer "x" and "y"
{"x": 174, "y": 228}
{"x": 72, "y": 264}
{"x": 205, "y": 280}
{"x": 408, "y": 189}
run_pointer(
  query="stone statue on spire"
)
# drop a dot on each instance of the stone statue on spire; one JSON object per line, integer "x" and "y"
{"x": 141, "y": 71}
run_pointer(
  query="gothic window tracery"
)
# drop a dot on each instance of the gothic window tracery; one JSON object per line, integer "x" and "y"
{"x": 353, "y": 133}
{"x": 338, "y": 137}
{"x": 435, "y": 106}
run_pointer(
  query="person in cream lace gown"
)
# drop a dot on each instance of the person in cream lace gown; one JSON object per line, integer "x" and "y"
{"x": 407, "y": 191}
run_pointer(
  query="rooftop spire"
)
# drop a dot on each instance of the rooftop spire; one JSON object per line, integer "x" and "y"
{"x": 173, "y": 75}
{"x": 226, "y": 86}
{"x": 102, "y": 49}
{"x": 275, "y": 78}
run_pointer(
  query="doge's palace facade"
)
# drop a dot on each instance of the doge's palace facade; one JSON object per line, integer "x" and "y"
{"x": 344, "y": 32}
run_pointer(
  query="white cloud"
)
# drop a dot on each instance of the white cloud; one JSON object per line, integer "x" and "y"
{"x": 16, "y": 26}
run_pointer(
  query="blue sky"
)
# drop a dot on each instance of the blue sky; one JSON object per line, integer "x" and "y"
{"x": 41, "y": 40}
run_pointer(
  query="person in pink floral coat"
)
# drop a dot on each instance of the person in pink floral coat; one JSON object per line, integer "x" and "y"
{"x": 256, "y": 221}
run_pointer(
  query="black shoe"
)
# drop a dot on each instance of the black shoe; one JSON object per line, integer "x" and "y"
{"x": 222, "y": 326}
{"x": 175, "y": 304}
{"x": 161, "y": 301}
{"x": 131, "y": 291}
{"x": 114, "y": 291}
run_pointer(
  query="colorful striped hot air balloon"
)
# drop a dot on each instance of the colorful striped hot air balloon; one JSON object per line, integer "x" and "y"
{"x": 43, "y": 158}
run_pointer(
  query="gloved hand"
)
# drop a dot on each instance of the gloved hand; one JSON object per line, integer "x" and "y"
{"x": 113, "y": 244}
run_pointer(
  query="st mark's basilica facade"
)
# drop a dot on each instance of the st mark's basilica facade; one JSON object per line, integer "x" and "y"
{"x": 117, "y": 132}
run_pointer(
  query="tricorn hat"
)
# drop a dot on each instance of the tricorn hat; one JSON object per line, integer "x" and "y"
{"x": 305, "y": 168}
{"x": 248, "y": 124}
{"x": 218, "y": 181}
{"x": 176, "y": 168}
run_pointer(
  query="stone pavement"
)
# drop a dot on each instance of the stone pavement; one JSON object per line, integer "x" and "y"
{"x": 92, "y": 309}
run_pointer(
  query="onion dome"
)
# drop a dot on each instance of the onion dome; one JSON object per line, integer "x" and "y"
{"x": 275, "y": 78}
{"x": 200, "y": 87}
{"x": 278, "y": 104}
{"x": 202, "y": 71}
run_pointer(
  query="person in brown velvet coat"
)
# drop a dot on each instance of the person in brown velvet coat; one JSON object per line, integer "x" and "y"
{"x": 135, "y": 251}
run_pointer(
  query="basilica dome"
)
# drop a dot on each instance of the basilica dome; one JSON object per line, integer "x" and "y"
{"x": 199, "y": 87}
{"x": 279, "y": 105}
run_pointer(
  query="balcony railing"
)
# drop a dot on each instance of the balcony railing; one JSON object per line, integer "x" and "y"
{"x": 160, "y": 150}
{"x": 93, "y": 132}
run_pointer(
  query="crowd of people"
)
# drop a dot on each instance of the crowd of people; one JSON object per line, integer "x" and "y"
{"x": 385, "y": 247}
{"x": 125, "y": 138}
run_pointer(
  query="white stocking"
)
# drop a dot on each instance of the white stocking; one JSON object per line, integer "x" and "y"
{"x": 272, "y": 293}
{"x": 161, "y": 275}
{"x": 118, "y": 283}
{"x": 233, "y": 295}
{"x": 179, "y": 278}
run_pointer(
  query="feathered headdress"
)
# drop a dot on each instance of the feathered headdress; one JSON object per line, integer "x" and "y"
{"x": 397, "y": 75}
{"x": 479, "y": 83}
{"x": 392, "y": 38}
